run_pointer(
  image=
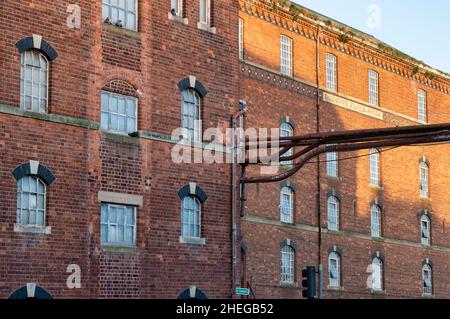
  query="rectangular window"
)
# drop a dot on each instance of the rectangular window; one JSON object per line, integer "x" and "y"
{"x": 373, "y": 88}
{"x": 422, "y": 99}
{"x": 121, "y": 12}
{"x": 241, "y": 39}
{"x": 205, "y": 12}
{"x": 119, "y": 113}
{"x": 285, "y": 55}
{"x": 332, "y": 164}
{"x": 176, "y": 7}
{"x": 118, "y": 225}
{"x": 374, "y": 167}
{"x": 331, "y": 72}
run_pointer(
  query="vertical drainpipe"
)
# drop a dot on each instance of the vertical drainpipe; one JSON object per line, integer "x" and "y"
{"x": 236, "y": 197}
{"x": 318, "y": 196}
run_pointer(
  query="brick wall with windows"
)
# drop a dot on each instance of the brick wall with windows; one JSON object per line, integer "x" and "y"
{"x": 144, "y": 62}
{"x": 271, "y": 97}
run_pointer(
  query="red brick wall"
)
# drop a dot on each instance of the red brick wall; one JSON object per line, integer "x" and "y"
{"x": 153, "y": 61}
{"x": 271, "y": 97}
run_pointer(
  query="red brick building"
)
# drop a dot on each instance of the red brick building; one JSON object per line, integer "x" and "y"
{"x": 75, "y": 188}
{"x": 384, "y": 210}
{"x": 90, "y": 95}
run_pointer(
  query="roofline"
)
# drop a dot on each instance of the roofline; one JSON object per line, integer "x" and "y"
{"x": 374, "y": 42}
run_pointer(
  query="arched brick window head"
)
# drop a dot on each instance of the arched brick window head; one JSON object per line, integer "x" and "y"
{"x": 35, "y": 57}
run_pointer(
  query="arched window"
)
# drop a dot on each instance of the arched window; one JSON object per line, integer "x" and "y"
{"x": 333, "y": 213}
{"x": 425, "y": 229}
{"x": 190, "y": 114}
{"x": 287, "y": 264}
{"x": 190, "y": 217}
{"x": 424, "y": 173}
{"x": 31, "y": 201}
{"x": 287, "y": 205}
{"x": 286, "y": 130}
{"x": 427, "y": 279}
{"x": 375, "y": 218}
{"x": 334, "y": 267}
{"x": 377, "y": 274}
{"x": 374, "y": 167}
{"x": 34, "y": 81}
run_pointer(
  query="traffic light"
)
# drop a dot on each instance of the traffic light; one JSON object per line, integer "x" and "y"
{"x": 309, "y": 282}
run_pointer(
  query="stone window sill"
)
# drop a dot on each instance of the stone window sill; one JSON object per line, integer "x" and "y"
{"x": 206, "y": 27}
{"x": 288, "y": 285}
{"x": 376, "y": 187}
{"x": 192, "y": 241}
{"x": 336, "y": 289}
{"x": 30, "y": 229}
{"x": 118, "y": 249}
{"x": 114, "y": 28}
{"x": 378, "y": 292}
{"x": 334, "y": 178}
{"x": 178, "y": 19}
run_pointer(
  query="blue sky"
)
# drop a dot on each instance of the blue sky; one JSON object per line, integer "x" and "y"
{"x": 416, "y": 27}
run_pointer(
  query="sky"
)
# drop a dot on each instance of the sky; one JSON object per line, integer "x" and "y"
{"x": 419, "y": 28}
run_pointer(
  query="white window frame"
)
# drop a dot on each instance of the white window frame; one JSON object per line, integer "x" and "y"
{"x": 287, "y": 265}
{"x": 424, "y": 177}
{"x": 377, "y": 274}
{"x": 109, "y": 6}
{"x": 331, "y": 72}
{"x": 205, "y": 12}
{"x": 241, "y": 38}
{"x": 177, "y": 6}
{"x": 375, "y": 167}
{"x": 333, "y": 213}
{"x": 194, "y": 133}
{"x": 374, "y": 88}
{"x": 110, "y": 113}
{"x": 286, "y": 130}
{"x": 422, "y": 105}
{"x": 106, "y": 222}
{"x": 287, "y": 209}
{"x": 194, "y": 212}
{"x": 332, "y": 164}
{"x": 286, "y": 56}
{"x": 36, "y": 98}
{"x": 334, "y": 277}
{"x": 25, "y": 206}
{"x": 376, "y": 221}
{"x": 425, "y": 230}
{"x": 427, "y": 279}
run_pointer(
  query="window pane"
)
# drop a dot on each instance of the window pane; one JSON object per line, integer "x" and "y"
{"x": 104, "y": 233}
{"x": 113, "y": 215}
{"x": 129, "y": 235}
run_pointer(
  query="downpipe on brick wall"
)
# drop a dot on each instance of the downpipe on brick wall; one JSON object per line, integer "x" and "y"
{"x": 318, "y": 199}
{"x": 235, "y": 189}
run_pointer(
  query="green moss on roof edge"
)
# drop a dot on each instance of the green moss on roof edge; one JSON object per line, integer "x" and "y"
{"x": 296, "y": 10}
